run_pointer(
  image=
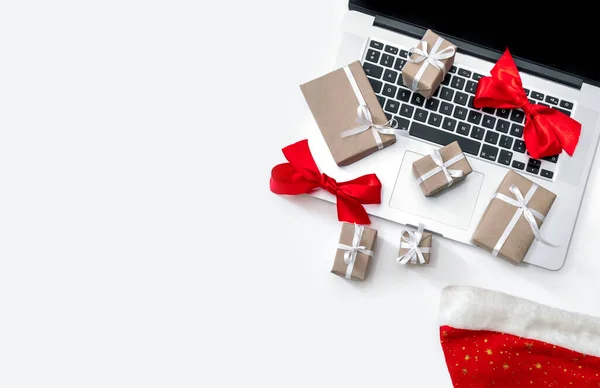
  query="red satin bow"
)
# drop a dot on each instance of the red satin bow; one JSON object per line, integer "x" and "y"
{"x": 301, "y": 175}
{"x": 547, "y": 131}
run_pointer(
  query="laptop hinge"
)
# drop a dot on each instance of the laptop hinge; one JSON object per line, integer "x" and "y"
{"x": 482, "y": 52}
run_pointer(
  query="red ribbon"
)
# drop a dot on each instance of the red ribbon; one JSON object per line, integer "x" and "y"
{"x": 301, "y": 175}
{"x": 547, "y": 131}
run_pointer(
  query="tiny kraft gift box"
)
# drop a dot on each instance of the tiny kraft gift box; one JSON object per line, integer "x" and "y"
{"x": 513, "y": 217}
{"x": 428, "y": 64}
{"x": 441, "y": 169}
{"x": 334, "y": 100}
{"x": 355, "y": 249}
{"x": 415, "y": 246}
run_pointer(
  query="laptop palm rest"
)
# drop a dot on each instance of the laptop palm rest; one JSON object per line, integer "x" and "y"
{"x": 453, "y": 206}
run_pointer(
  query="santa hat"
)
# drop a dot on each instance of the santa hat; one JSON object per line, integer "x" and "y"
{"x": 491, "y": 339}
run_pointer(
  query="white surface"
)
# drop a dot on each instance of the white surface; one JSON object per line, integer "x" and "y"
{"x": 473, "y": 308}
{"x": 139, "y": 243}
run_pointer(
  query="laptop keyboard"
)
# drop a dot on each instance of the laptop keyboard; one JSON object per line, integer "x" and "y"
{"x": 494, "y": 135}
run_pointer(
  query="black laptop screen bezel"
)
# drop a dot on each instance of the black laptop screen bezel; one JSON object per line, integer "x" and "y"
{"x": 396, "y": 11}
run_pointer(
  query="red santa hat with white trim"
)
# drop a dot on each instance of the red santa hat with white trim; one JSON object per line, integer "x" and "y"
{"x": 492, "y": 339}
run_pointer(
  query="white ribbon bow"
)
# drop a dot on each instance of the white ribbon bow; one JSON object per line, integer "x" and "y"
{"x": 365, "y": 122}
{"x": 415, "y": 253}
{"x": 433, "y": 58}
{"x": 351, "y": 251}
{"x": 443, "y": 166}
{"x": 522, "y": 209}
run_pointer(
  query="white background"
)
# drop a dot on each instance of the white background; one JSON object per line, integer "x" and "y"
{"x": 140, "y": 245}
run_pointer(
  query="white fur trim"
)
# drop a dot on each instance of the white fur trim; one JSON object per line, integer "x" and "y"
{"x": 474, "y": 308}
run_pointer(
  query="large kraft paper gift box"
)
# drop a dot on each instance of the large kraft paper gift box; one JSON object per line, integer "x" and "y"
{"x": 333, "y": 103}
{"x": 357, "y": 236}
{"x": 430, "y": 77}
{"x": 499, "y": 213}
{"x": 439, "y": 181}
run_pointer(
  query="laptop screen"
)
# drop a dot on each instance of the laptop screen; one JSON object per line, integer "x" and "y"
{"x": 561, "y": 37}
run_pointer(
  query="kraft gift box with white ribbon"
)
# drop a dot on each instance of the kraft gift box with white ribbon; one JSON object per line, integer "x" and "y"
{"x": 415, "y": 246}
{"x": 513, "y": 218}
{"x": 354, "y": 251}
{"x": 441, "y": 169}
{"x": 348, "y": 114}
{"x": 428, "y": 64}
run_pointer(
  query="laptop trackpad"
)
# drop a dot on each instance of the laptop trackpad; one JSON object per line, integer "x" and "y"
{"x": 453, "y": 206}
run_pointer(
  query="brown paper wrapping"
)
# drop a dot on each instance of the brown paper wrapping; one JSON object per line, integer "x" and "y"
{"x": 424, "y": 243}
{"x": 362, "y": 261}
{"x": 333, "y": 104}
{"x": 432, "y": 77}
{"x": 438, "y": 182}
{"x": 499, "y": 213}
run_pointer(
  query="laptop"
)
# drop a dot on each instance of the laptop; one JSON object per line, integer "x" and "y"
{"x": 560, "y": 75}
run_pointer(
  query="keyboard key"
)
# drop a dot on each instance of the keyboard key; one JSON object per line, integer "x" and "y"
{"x": 403, "y": 94}
{"x": 460, "y": 113}
{"x": 565, "y": 111}
{"x": 373, "y": 56}
{"x": 537, "y": 95}
{"x": 376, "y": 85}
{"x": 551, "y": 100}
{"x": 517, "y": 115}
{"x": 533, "y": 170}
{"x": 505, "y": 157}
{"x": 421, "y": 115}
{"x": 489, "y": 110}
{"x": 531, "y": 101}
{"x": 551, "y": 159}
{"x": 388, "y": 115}
{"x": 489, "y": 152}
{"x": 477, "y": 133}
{"x": 519, "y": 146}
{"x": 391, "y": 50}
{"x": 474, "y": 117}
{"x": 457, "y": 82}
{"x": 446, "y": 94}
{"x": 526, "y": 91}
{"x": 432, "y": 104}
{"x": 390, "y": 76}
{"x": 452, "y": 69}
{"x": 372, "y": 70}
{"x": 504, "y": 113}
{"x": 449, "y": 124}
{"x": 381, "y": 100}
{"x": 392, "y": 106}
{"x": 417, "y": 99}
{"x": 534, "y": 162}
{"x": 518, "y": 165}
{"x": 404, "y": 53}
{"x": 406, "y": 110}
{"x": 506, "y": 141}
{"x": 547, "y": 174}
{"x": 389, "y": 90}
{"x": 400, "y": 123}
{"x": 461, "y": 98}
{"x": 471, "y": 87}
{"x": 488, "y": 121}
{"x": 477, "y": 76}
{"x": 471, "y": 100}
{"x": 566, "y": 104}
{"x": 463, "y": 128}
{"x": 387, "y": 60}
{"x": 464, "y": 73}
{"x": 446, "y": 80}
{"x": 399, "y": 64}
{"x": 516, "y": 130}
{"x": 376, "y": 44}
{"x": 502, "y": 126}
{"x": 491, "y": 137}
{"x": 435, "y": 119}
{"x": 443, "y": 138}
{"x": 446, "y": 108}
{"x": 542, "y": 104}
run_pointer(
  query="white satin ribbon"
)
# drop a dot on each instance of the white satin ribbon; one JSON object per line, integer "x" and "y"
{"x": 364, "y": 119}
{"x": 351, "y": 251}
{"x": 530, "y": 215}
{"x": 443, "y": 166}
{"x": 412, "y": 240}
{"x": 433, "y": 58}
